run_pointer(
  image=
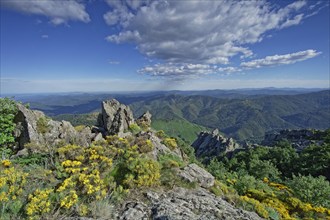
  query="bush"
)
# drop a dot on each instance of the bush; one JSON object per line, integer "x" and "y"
{"x": 8, "y": 109}
{"x": 314, "y": 190}
{"x": 142, "y": 172}
{"x": 170, "y": 143}
{"x": 134, "y": 128}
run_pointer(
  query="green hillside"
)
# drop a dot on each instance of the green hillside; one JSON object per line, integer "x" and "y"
{"x": 179, "y": 128}
{"x": 244, "y": 119}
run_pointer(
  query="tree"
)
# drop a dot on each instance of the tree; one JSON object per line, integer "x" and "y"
{"x": 8, "y": 110}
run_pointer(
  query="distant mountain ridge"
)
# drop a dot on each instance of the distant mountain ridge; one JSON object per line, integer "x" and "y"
{"x": 244, "y": 119}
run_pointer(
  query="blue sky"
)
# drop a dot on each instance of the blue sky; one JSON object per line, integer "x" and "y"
{"x": 66, "y": 46}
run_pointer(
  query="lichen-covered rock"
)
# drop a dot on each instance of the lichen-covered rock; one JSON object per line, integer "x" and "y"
{"x": 194, "y": 173}
{"x": 211, "y": 144}
{"x": 135, "y": 210}
{"x": 26, "y": 126}
{"x": 41, "y": 133}
{"x": 115, "y": 117}
{"x": 182, "y": 204}
{"x": 144, "y": 120}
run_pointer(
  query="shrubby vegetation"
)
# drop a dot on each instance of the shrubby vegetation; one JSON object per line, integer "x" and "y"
{"x": 278, "y": 182}
{"x": 74, "y": 179}
{"x": 8, "y": 110}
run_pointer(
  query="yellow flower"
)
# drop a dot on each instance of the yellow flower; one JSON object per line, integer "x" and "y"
{"x": 6, "y": 163}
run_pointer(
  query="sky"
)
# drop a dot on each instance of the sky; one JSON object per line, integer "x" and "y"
{"x": 143, "y": 45}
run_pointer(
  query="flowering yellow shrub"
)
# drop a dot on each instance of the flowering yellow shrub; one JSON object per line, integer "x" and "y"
{"x": 12, "y": 182}
{"x": 39, "y": 203}
{"x": 170, "y": 143}
{"x": 69, "y": 200}
{"x": 281, "y": 200}
{"x": 85, "y": 174}
{"x": 258, "y": 206}
{"x": 6, "y": 163}
{"x": 142, "y": 172}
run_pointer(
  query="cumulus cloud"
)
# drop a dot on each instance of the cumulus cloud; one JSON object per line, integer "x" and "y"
{"x": 276, "y": 60}
{"x": 59, "y": 12}
{"x": 179, "y": 33}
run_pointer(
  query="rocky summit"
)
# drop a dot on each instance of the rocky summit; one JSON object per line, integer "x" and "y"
{"x": 209, "y": 144}
{"x": 115, "y": 117}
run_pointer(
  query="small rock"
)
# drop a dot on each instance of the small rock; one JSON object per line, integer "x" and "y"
{"x": 194, "y": 173}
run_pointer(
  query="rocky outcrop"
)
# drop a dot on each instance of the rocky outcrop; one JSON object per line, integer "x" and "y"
{"x": 35, "y": 128}
{"x": 181, "y": 204}
{"x": 299, "y": 139}
{"x": 212, "y": 144}
{"x": 158, "y": 147}
{"x": 115, "y": 117}
{"x": 144, "y": 120}
{"x": 194, "y": 173}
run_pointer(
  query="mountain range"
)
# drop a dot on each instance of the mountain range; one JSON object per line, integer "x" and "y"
{"x": 245, "y": 115}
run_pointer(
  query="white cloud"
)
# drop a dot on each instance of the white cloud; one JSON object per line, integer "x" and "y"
{"x": 44, "y": 36}
{"x": 178, "y": 70}
{"x": 206, "y": 32}
{"x": 59, "y": 12}
{"x": 276, "y": 60}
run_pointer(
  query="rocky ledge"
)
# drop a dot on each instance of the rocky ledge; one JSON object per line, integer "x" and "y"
{"x": 180, "y": 204}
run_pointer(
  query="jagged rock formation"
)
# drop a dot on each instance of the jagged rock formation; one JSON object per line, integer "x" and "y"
{"x": 210, "y": 144}
{"x": 194, "y": 173}
{"x": 33, "y": 127}
{"x": 115, "y": 117}
{"x": 299, "y": 139}
{"x": 145, "y": 119}
{"x": 180, "y": 204}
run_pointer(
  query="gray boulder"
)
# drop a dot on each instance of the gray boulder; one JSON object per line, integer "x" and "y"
{"x": 115, "y": 117}
{"x": 194, "y": 173}
{"x": 182, "y": 204}
{"x": 32, "y": 127}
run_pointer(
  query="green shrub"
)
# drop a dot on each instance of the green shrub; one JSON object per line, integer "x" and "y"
{"x": 168, "y": 161}
{"x": 8, "y": 109}
{"x": 160, "y": 134}
{"x": 134, "y": 128}
{"x": 170, "y": 143}
{"x": 314, "y": 190}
